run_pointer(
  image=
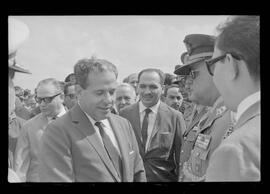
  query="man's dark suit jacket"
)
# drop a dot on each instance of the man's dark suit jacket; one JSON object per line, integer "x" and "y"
{"x": 71, "y": 151}
{"x": 161, "y": 160}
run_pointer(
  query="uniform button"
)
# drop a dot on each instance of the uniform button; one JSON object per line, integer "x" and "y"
{"x": 182, "y": 151}
{"x": 185, "y": 138}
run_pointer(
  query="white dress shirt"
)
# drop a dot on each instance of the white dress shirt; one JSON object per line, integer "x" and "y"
{"x": 107, "y": 128}
{"x": 61, "y": 113}
{"x": 151, "y": 120}
{"x": 247, "y": 102}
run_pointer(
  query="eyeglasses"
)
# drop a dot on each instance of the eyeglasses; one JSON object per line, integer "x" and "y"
{"x": 47, "y": 100}
{"x": 210, "y": 63}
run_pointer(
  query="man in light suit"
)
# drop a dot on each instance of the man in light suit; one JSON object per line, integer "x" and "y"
{"x": 160, "y": 139}
{"x": 50, "y": 98}
{"x": 206, "y": 130}
{"x": 89, "y": 143}
{"x": 235, "y": 67}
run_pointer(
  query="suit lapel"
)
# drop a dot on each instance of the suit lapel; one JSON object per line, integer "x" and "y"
{"x": 196, "y": 120}
{"x": 157, "y": 126}
{"x": 214, "y": 114}
{"x": 123, "y": 147}
{"x": 251, "y": 112}
{"x": 84, "y": 125}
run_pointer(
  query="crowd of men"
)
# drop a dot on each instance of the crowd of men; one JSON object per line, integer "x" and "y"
{"x": 199, "y": 123}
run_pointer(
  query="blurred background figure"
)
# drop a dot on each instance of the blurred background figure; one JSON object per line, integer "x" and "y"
{"x": 71, "y": 78}
{"x": 124, "y": 95}
{"x": 132, "y": 79}
{"x": 18, "y": 33}
{"x": 173, "y": 96}
{"x": 70, "y": 94}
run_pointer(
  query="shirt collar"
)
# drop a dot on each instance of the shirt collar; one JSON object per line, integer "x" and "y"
{"x": 61, "y": 113}
{"x": 247, "y": 102}
{"x": 153, "y": 108}
{"x": 93, "y": 121}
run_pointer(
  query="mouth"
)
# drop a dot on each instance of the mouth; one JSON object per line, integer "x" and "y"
{"x": 106, "y": 109}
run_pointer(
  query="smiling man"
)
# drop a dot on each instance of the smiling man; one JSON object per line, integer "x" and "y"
{"x": 89, "y": 143}
{"x": 157, "y": 128}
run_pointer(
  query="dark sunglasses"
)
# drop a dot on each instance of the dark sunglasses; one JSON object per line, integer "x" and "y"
{"x": 210, "y": 62}
{"x": 47, "y": 100}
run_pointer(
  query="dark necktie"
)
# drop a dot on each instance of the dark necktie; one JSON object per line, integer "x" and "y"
{"x": 145, "y": 126}
{"x": 110, "y": 149}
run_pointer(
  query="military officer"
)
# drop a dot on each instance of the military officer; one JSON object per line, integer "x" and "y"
{"x": 209, "y": 125}
{"x": 18, "y": 32}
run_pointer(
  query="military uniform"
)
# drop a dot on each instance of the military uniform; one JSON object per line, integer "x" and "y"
{"x": 18, "y": 32}
{"x": 209, "y": 126}
{"x": 201, "y": 140}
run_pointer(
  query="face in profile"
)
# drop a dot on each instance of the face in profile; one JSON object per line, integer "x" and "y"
{"x": 199, "y": 83}
{"x": 71, "y": 96}
{"x": 149, "y": 88}
{"x": 174, "y": 98}
{"x": 98, "y": 97}
{"x": 124, "y": 96}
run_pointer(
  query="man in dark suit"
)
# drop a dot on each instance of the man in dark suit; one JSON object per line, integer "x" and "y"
{"x": 89, "y": 143}
{"x": 157, "y": 128}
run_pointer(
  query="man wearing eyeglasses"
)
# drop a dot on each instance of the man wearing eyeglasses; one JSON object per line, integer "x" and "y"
{"x": 205, "y": 133}
{"x": 235, "y": 68}
{"x": 50, "y": 98}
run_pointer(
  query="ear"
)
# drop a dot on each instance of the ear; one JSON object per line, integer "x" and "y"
{"x": 232, "y": 67}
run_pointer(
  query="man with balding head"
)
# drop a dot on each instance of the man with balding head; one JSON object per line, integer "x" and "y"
{"x": 157, "y": 128}
{"x": 124, "y": 95}
{"x": 50, "y": 98}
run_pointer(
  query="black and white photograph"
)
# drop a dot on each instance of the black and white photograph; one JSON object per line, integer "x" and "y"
{"x": 134, "y": 98}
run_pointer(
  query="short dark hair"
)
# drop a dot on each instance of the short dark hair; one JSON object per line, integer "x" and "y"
{"x": 158, "y": 71}
{"x": 168, "y": 78}
{"x": 240, "y": 35}
{"x": 66, "y": 86}
{"x": 85, "y": 66}
{"x": 68, "y": 78}
{"x": 171, "y": 86}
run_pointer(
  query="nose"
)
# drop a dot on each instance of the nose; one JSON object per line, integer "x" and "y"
{"x": 108, "y": 98}
{"x": 122, "y": 101}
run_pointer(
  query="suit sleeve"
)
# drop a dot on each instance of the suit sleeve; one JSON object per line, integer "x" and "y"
{"x": 56, "y": 160}
{"x": 180, "y": 127}
{"x": 22, "y": 154}
{"x": 225, "y": 164}
{"x": 139, "y": 171}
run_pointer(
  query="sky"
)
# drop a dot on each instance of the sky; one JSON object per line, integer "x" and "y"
{"x": 132, "y": 43}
